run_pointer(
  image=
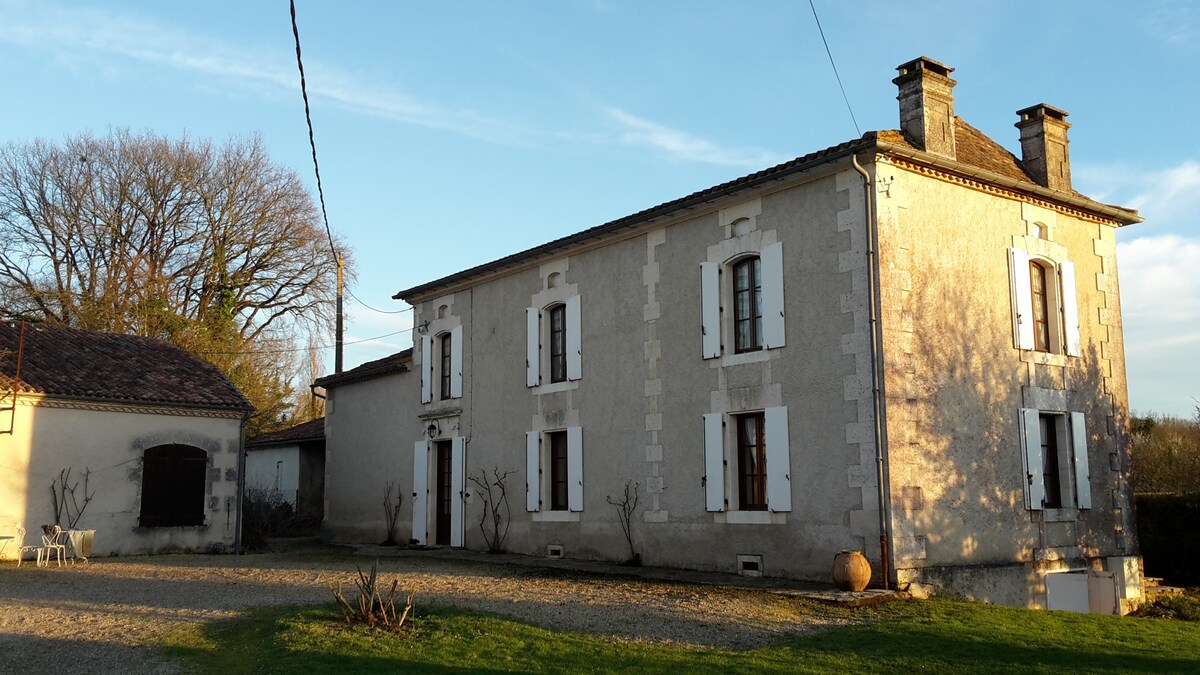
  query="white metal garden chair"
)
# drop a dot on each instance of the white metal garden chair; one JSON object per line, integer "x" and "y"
{"x": 22, "y": 549}
{"x": 53, "y": 545}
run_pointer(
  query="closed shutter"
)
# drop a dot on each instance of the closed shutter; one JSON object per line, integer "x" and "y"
{"x": 779, "y": 460}
{"x": 575, "y": 468}
{"x": 426, "y": 368}
{"x": 1070, "y": 308}
{"x": 1018, "y": 263}
{"x": 714, "y": 462}
{"x": 420, "y": 522}
{"x": 574, "y": 339}
{"x": 1083, "y": 477}
{"x": 456, "y": 364}
{"x": 710, "y": 309}
{"x": 1031, "y": 438}
{"x": 533, "y": 352}
{"x": 771, "y": 259}
{"x": 533, "y": 465}
{"x": 458, "y": 460}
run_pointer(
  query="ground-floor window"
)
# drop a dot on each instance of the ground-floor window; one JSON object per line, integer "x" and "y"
{"x": 173, "y": 482}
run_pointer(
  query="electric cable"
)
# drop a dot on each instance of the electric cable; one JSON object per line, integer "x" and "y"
{"x": 835, "y": 70}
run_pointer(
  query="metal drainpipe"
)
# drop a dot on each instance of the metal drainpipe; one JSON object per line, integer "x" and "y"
{"x": 241, "y": 483}
{"x": 876, "y": 367}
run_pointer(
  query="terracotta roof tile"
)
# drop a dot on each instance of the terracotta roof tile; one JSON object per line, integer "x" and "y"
{"x": 312, "y": 430}
{"x": 69, "y": 362}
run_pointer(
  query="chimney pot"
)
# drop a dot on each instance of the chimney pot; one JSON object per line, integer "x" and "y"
{"x": 1045, "y": 149}
{"x": 927, "y": 105}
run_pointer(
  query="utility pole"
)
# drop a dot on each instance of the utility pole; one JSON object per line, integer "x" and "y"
{"x": 337, "y": 350}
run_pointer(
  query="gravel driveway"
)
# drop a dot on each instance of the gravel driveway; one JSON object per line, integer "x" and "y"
{"x": 105, "y": 616}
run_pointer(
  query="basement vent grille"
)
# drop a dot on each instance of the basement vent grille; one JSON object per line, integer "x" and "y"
{"x": 554, "y": 551}
{"x": 750, "y": 565}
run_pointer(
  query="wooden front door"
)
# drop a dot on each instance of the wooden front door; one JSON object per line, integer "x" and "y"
{"x": 444, "y": 493}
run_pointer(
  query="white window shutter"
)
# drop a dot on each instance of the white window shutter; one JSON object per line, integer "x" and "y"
{"x": 456, "y": 362}
{"x": 1018, "y": 264}
{"x": 710, "y": 308}
{"x": 458, "y": 460}
{"x": 575, "y": 468}
{"x": 1083, "y": 477}
{"x": 533, "y": 466}
{"x": 533, "y": 352}
{"x": 1070, "y": 308}
{"x": 420, "y": 520}
{"x": 1031, "y": 438}
{"x": 771, "y": 260}
{"x": 574, "y": 339}
{"x": 779, "y": 459}
{"x": 714, "y": 462}
{"x": 426, "y": 368}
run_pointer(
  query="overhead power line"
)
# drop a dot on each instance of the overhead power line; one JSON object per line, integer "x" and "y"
{"x": 311, "y": 138}
{"x": 835, "y": 70}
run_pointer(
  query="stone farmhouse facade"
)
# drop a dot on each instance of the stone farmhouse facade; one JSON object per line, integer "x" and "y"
{"x": 908, "y": 344}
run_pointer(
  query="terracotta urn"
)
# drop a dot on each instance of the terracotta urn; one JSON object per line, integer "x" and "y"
{"x": 851, "y": 571}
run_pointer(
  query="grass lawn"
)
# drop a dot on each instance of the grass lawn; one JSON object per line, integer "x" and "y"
{"x": 930, "y": 636}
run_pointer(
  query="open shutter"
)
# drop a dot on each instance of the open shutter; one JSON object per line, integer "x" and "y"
{"x": 533, "y": 351}
{"x": 574, "y": 339}
{"x": 779, "y": 460}
{"x": 456, "y": 365}
{"x": 533, "y": 465}
{"x": 710, "y": 308}
{"x": 714, "y": 462}
{"x": 1018, "y": 264}
{"x": 458, "y": 461}
{"x": 575, "y": 468}
{"x": 426, "y": 368}
{"x": 1070, "y": 308}
{"x": 1031, "y": 438}
{"x": 420, "y": 523}
{"x": 771, "y": 259}
{"x": 1083, "y": 477}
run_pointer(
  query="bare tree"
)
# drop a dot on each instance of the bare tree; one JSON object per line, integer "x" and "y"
{"x": 626, "y": 506}
{"x": 216, "y": 249}
{"x": 494, "y": 493}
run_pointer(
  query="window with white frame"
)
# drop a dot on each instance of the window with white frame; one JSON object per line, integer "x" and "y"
{"x": 441, "y": 365}
{"x": 554, "y": 343}
{"x": 747, "y": 461}
{"x": 554, "y": 470}
{"x": 752, "y": 284}
{"x": 1045, "y": 304}
{"x": 1055, "y": 460}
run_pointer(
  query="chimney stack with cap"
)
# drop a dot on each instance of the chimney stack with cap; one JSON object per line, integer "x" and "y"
{"x": 1044, "y": 148}
{"x": 927, "y": 105}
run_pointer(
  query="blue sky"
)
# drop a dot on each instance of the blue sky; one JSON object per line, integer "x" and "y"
{"x": 508, "y": 124}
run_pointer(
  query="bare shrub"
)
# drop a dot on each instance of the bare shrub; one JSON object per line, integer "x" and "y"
{"x": 494, "y": 494}
{"x": 62, "y": 497}
{"x": 267, "y": 513}
{"x": 391, "y": 513}
{"x": 626, "y": 505}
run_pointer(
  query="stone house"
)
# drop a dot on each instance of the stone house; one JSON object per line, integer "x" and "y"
{"x": 908, "y": 343}
{"x": 157, "y": 431}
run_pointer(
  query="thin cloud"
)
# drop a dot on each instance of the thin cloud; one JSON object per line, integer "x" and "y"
{"x": 1169, "y": 197}
{"x": 1173, "y": 23}
{"x": 681, "y": 145}
{"x": 82, "y": 32}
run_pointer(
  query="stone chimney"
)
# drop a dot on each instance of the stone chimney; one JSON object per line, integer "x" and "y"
{"x": 927, "y": 105}
{"x": 1044, "y": 145}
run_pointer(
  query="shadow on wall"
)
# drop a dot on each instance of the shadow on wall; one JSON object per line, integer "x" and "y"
{"x": 959, "y": 469}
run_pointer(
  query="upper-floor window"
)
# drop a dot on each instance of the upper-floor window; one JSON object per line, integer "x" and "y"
{"x": 753, "y": 284}
{"x": 445, "y": 351}
{"x": 1045, "y": 306}
{"x": 558, "y": 343}
{"x": 554, "y": 343}
{"x": 441, "y": 365}
{"x": 747, "y": 304}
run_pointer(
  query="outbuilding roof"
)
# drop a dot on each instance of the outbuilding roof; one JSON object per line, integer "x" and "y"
{"x": 395, "y": 363}
{"x": 85, "y": 364}
{"x": 312, "y": 430}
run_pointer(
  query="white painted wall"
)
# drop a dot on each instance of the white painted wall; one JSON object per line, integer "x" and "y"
{"x": 275, "y": 468}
